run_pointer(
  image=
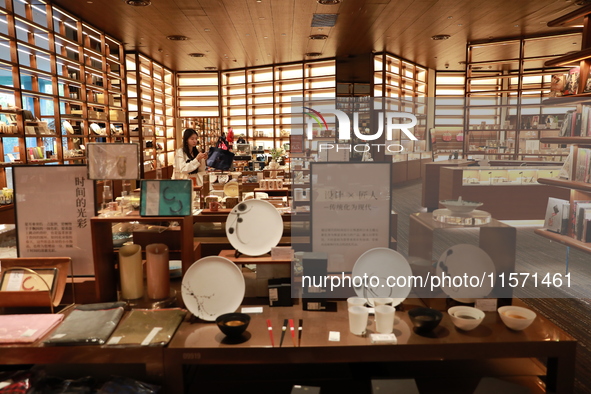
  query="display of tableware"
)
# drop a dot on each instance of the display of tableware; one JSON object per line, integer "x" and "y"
{"x": 212, "y": 177}
{"x": 95, "y": 128}
{"x": 213, "y": 286}
{"x": 465, "y": 317}
{"x": 231, "y": 189}
{"x": 244, "y": 229}
{"x": 516, "y": 317}
{"x": 474, "y": 218}
{"x": 223, "y": 178}
{"x": 465, "y": 260}
{"x": 460, "y": 206}
{"x": 68, "y": 127}
{"x": 424, "y": 319}
{"x": 236, "y": 175}
{"x": 233, "y": 324}
{"x": 382, "y": 263}
{"x": 120, "y": 238}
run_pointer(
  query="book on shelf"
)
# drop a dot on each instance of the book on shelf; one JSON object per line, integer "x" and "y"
{"x": 582, "y": 167}
{"x": 587, "y": 229}
{"x": 557, "y": 85}
{"x": 575, "y": 208}
{"x": 567, "y": 168}
{"x": 571, "y": 83}
{"x": 567, "y": 123}
{"x": 587, "y": 88}
{"x": 556, "y": 219}
{"x": 582, "y": 216}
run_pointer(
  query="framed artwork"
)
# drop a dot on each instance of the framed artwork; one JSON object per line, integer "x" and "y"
{"x": 41, "y": 279}
{"x": 113, "y": 160}
{"x": 166, "y": 197}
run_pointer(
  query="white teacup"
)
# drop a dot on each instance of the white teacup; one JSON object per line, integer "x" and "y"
{"x": 358, "y": 319}
{"x": 384, "y": 319}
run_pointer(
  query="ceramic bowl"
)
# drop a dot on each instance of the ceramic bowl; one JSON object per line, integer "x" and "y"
{"x": 460, "y": 206}
{"x": 516, "y": 318}
{"x": 120, "y": 238}
{"x": 425, "y": 319}
{"x": 233, "y": 324}
{"x": 465, "y": 317}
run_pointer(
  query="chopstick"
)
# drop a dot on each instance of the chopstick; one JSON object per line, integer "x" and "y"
{"x": 283, "y": 332}
{"x": 270, "y": 328}
{"x": 301, "y": 323}
{"x": 292, "y": 330}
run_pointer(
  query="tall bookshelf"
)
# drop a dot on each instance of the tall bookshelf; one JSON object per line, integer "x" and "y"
{"x": 62, "y": 86}
{"x": 152, "y": 117}
{"x": 505, "y": 117}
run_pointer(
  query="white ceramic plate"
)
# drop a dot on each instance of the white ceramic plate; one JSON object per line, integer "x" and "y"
{"x": 469, "y": 260}
{"x": 383, "y": 263}
{"x": 213, "y": 286}
{"x": 254, "y": 227}
{"x": 68, "y": 127}
{"x": 223, "y": 178}
{"x": 231, "y": 189}
{"x": 95, "y": 128}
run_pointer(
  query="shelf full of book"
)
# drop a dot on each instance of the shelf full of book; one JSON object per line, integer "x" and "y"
{"x": 575, "y": 228}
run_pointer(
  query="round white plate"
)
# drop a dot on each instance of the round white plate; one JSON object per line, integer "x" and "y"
{"x": 382, "y": 263}
{"x": 213, "y": 286}
{"x": 254, "y": 227}
{"x": 95, "y": 128}
{"x": 231, "y": 189}
{"x": 469, "y": 260}
{"x": 68, "y": 127}
{"x": 223, "y": 178}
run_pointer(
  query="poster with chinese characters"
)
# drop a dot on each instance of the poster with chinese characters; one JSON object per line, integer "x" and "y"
{"x": 350, "y": 208}
{"x": 53, "y": 207}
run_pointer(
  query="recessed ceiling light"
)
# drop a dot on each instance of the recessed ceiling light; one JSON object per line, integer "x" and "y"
{"x": 328, "y": 2}
{"x": 211, "y": 68}
{"x": 460, "y": 24}
{"x": 247, "y": 34}
{"x": 318, "y": 37}
{"x": 440, "y": 37}
{"x": 283, "y": 34}
{"x": 515, "y": 25}
{"x": 206, "y": 29}
{"x": 177, "y": 38}
{"x": 196, "y": 54}
{"x": 450, "y": 17}
{"x": 265, "y": 37}
{"x": 313, "y": 54}
{"x": 138, "y": 3}
{"x": 261, "y": 17}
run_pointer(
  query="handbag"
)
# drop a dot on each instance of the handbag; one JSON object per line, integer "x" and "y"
{"x": 219, "y": 158}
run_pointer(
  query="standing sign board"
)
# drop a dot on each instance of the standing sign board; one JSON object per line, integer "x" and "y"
{"x": 350, "y": 208}
{"x": 53, "y": 207}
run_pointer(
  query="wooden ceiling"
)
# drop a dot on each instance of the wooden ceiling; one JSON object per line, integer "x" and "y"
{"x": 244, "y": 33}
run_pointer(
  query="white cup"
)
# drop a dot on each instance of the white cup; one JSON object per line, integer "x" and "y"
{"x": 355, "y": 301}
{"x": 383, "y": 301}
{"x": 358, "y": 319}
{"x": 384, "y": 319}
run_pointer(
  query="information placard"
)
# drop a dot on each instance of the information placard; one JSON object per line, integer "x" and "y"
{"x": 350, "y": 208}
{"x": 53, "y": 206}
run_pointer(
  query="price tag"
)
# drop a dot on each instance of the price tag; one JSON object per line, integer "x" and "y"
{"x": 15, "y": 280}
{"x": 486, "y": 304}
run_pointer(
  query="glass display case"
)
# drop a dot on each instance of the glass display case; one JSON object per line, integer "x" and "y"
{"x": 507, "y": 175}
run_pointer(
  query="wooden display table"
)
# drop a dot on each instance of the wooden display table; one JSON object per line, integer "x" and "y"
{"x": 105, "y": 273}
{"x": 203, "y": 345}
{"x": 431, "y": 170}
{"x": 497, "y": 239}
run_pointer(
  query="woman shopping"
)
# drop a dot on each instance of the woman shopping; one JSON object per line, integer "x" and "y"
{"x": 188, "y": 162}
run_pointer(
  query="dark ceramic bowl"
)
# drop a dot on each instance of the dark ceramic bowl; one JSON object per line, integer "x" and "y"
{"x": 425, "y": 319}
{"x": 233, "y": 324}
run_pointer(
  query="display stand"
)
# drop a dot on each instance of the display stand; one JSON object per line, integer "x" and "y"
{"x": 497, "y": 239}
{"x": 41, "y": 298}
{"x": 104, "y": 259}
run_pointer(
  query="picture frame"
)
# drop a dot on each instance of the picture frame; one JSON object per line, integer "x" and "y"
{"x": 32, "y": 279}
{"x": 113, "y": 160}
{"x": 171, "y": 197}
